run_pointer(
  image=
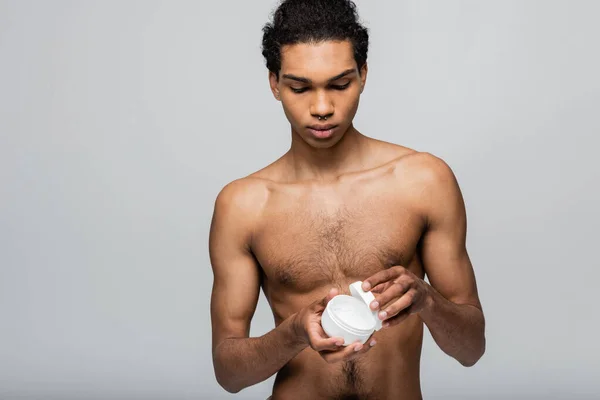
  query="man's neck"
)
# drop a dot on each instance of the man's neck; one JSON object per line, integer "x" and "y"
{"x": 350, "y": 154}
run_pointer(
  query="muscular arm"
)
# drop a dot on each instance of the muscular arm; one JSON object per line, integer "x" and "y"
{"x": 240, "y": 361}
{"x": 453, "y": 313}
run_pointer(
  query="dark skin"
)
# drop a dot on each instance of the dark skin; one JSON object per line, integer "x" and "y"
{"x": 331, "y": 211}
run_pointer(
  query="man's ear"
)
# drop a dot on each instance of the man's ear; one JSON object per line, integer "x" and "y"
{"x": 363, "y": 76}
{"x": 273, "y": 82}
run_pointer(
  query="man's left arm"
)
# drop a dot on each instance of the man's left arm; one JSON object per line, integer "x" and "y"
{"x": 450, "y": 306}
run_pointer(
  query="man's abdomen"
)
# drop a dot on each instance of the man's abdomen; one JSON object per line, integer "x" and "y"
{"x": 389, "y": 370}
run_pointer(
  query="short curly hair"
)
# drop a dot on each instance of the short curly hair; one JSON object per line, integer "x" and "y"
{"x": 313, "y": 21}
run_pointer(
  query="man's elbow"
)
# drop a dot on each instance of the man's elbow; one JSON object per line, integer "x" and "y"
{"x": 225, "y": 377}
{"x": 229, "y": 387}
{"x": 475, "y": 358}
{"x": 227, "y": 383}
{"x": 469, "y": 363}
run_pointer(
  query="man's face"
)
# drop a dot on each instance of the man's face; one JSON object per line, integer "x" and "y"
{"x": 319, "y": 80}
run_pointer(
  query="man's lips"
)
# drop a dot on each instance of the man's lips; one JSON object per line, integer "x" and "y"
{"x": 321, "y": 127}
{"x": 322, "y": 131}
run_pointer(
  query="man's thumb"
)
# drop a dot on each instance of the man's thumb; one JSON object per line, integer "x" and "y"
{"x": 323, "y": 302}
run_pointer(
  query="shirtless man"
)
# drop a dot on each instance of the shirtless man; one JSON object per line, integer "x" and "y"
{"x": 338, "y": 207}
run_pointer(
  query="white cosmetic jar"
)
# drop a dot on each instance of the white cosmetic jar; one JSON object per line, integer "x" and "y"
{"x": 351, "y": 317}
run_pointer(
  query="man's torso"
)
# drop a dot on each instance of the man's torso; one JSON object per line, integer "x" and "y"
{"x": 314, "y": 236}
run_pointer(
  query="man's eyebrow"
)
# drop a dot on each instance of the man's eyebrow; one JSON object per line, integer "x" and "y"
{"x": 306, "y": 80}
{"x": 343, "y": 74}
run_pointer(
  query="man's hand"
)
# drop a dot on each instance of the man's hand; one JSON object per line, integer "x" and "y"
{"x": 398, "y": 294}
{"x": 307, "y": 324}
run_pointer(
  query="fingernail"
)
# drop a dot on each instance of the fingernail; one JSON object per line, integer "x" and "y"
{"x": 358, "y": 347}
{"x": 373, "y": 343}
{"x": 385, "y": 324}
{"x": 382, "y": 315}
{"x": 339, "y": 343}
{"x": 374, "y": 305}
{"x": 366, "y": 286}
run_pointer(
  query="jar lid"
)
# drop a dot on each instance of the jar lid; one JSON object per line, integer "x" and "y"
{"x": 367, "y": 298}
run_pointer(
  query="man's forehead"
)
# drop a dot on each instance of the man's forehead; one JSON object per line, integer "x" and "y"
{"x": 317, "y": 60}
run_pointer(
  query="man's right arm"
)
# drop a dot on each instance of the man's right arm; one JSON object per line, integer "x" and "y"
{"x": 240, "y": 361}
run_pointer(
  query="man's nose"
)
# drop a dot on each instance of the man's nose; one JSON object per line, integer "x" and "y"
{"x": 321, "y": 104}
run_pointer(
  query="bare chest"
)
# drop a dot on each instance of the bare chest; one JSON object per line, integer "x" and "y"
{"x": 308, "y": 242}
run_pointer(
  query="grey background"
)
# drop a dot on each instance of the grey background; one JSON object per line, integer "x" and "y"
{"x": 121, "y": 121}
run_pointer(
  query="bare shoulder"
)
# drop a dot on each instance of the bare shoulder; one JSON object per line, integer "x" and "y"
{"x": 241, "y": 201}
{"x": 413, "y": 168}
{"x": 412, "y": 163}
{"x": 243, "y": 193}
{"x": 426, "y": 168}
{"x": 433, "y": 185}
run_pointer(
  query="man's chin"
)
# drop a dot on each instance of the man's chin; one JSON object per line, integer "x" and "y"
{"x": 323, "y": 143}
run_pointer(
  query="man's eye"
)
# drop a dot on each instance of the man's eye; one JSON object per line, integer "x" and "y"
{"x": 299, "y": 90}
{"x": 340, "y": 87}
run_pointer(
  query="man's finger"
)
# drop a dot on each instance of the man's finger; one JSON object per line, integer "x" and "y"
{"x": 326, "y": 344}
{"x": 380, "y": 277}
{"x": 381, "y": 287}
{"x": 320, "y": 342}
{"x": 346, "y": 353}
{"x": 321, "y": 304}
{"x": 332, "y": 293}
{"x": 405, "y": 301}
{"x": 368, "y": 345}
{"x": 394, "y": 291}
{"x": 365, "y": 347}
{"x": 349, "y": 352}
